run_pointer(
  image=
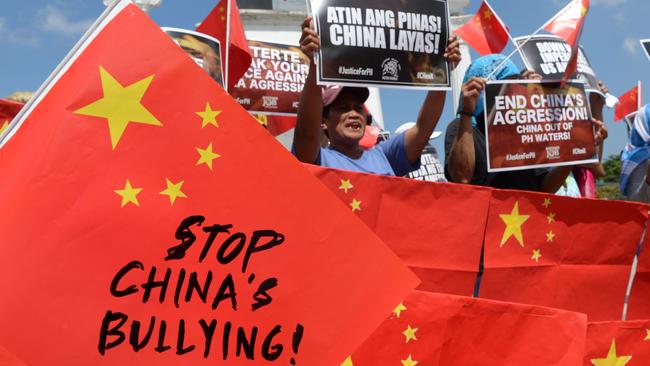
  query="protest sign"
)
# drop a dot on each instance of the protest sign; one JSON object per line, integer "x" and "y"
{"x": 273, "y": 82}
{"x": 646, "y": 46}
{"x": 203, "y": 49}
{"x": 537, "y": 124}
{"x": 388, "y": 42}
{"x": 548, "y": 55}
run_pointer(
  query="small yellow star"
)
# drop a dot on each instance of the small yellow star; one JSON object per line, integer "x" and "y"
{"x": 398, "y": 309}
{"x": 487, "y": 14}
{"x": 409, "y": 362}
{"x": 346, "y": 185}
{"x": 547, "y": 202}
{"x": 128, "y": 194}
{"x": 409, "y": 333}
{"x": 207, "y": 156}
{"x": 347, "y": 362}
{"x": 513, "y": 222}
{"x": 173, "y": 190}
{"x": 647, "y": 337}
{"x": 4, "y": 126}
{"x": 208, "y": 116}
{"x": 612, "y": 359}
{"x": 584, "y": 11}
{"x": 549, "y": 236}
{"x": 537, "y": 254}
{"x": 355, "y": 204}
{"x": 550, "y": 217}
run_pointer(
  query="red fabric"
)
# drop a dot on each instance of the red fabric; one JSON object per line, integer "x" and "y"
{"x": 568, "y": 24}
{"x": 66, "y": 230}
{"x": 639, "y": 303}
{"x": 8, "y": 110}
{"x": 584, "y": 265}
{"x": 463, "y": 331}
{"x": 586, "y": 182}
{"x": 627, "y": 103}
{"x": 485, "y": 32}
{"x": 435, "y": 228}
{"x": 631, "y": 340}
{"x": 239, "y": 55}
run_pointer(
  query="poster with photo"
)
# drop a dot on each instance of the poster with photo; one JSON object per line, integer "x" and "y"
{"x": 203, "y": 49}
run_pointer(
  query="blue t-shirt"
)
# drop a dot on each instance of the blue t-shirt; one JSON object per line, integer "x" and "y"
{"x": 387, "y": 158}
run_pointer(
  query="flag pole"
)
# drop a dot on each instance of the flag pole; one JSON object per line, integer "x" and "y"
{"x": 639, "y": 99}
{"x": 227, "y": 46}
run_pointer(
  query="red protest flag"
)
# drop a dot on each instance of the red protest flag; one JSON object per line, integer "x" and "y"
{"x": 628, "y": 103}
{"x": 618, "y": 343}
{"x": 485, "y": 32}
{"x": 568, "y": 24}
{"x": 133, "y": 230}
{"x": 224, "y": 24}
{"x": 435, "y": 329}
{"x": 8, "y": 110}
{"x": 639, "y": 300}
{"x": 561, "y": 252}
{"x": 436, "y": 229}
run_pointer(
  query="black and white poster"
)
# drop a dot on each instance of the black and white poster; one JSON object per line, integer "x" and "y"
{"x": 202, "y": 48}
{"x": 646, "y": 47}
{"x": 398, "y": 43}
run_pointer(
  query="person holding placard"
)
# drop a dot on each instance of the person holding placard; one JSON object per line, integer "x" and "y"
{"x": 338, "y": 112}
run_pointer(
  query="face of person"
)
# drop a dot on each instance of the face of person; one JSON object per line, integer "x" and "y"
{"x": 346, "y": 121}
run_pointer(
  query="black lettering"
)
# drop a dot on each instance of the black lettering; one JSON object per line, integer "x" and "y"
{"x": 272, "y": 352}
{"x": 247, "y": 344}
{"x": 180, "y": 349}
{"x": 226, "y": 338}
{"x": 161, "y": 346}
{"x": 208, "y": 331}
{"x": 152, "y": 283}
{"x": 107, "y": 330}
{"x": 275, "y": 240}
{"x": 226, "y": 291}
{"x": 214, "y": 230}
{"x": 135, "y": 332}
{"x": 261, "y": 297}
{"x": 193, "y": 286}
{"x": 186, "y": 236}
{"x": 224, "y": 258}
{"x": 179, "y": 287}
{"x": 118, "y": 276}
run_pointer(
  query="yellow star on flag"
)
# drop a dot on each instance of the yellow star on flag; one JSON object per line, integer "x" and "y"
{"x": 208, "y": 116}
{"x": 550, "y": 236}
{"x": 4, "y": 126}
{"x": 129, "y": 194}
{"x": 537, "y": 254}
{"x": 547, "y": 202}
{"x": 513, "y": 222}
{"x": 207, "y": 156}
{"x": 409, "y": 362}
{"x": 120, "y": 105}
{"x": 347, "y": 362}
{"x": 584, "y": 11}
{"x": 346, "y": 185}
{"x": 612, "y": 359}
{"x": 173, "y": 190}
{"x": 398, "y": 309}
{"x": 355, "y": 204}
{"x": 647, "y": 337}
{"x": 550, "y": 217}
{"x": 487, "y": 14}
{"x": 409, "y": 333}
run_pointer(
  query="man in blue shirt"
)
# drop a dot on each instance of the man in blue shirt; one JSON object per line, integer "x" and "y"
{"x": 339, "y": 112}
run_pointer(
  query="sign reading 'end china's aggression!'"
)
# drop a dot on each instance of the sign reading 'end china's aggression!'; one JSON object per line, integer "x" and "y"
{"x": 537, "y": 124}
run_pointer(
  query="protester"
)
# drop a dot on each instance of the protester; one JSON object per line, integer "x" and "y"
{"x": 338, "y": 111}
{"x": 466, "y": 160}
{"x": 635, "y": 164}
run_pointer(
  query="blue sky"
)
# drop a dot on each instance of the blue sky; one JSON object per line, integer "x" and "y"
{"x": 36, "y": 34}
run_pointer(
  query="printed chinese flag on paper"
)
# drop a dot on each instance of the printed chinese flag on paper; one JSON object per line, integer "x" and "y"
{"x": 628, "y": 103}
{"x": 567, "y": 253}
{"x": 8, "y": 110}
{"x": 134, "y": 232}
{"x": 618, "y": 343}
{"x": 568, "y": 24}
{"x": 485, "y": 32}
{"x": 436, "y": 229}
{"x": 440, "y": 330}
{"x": 639, "y": 302}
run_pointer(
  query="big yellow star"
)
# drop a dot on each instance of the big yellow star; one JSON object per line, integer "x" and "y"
{"x": 612, "y": 359}
{"x": 347, "y": 362}
{"x": 4, "y": 126}
{"x": 513, "y": 222}
{"x": 207, "y": 156}
{"x": 547, "y": 202}
{"x": 129, "y": 194}
{"x": 398, "y": 309}
{"x": 647, "y": 337}
{"x": 409, "y": 362}
{"x": 537, "y": 254}
{"x": 346, "y": 185}
{"x": 550, "y": 236}
{"x": 208, "y": 116}
{"x": 487, "y": 14}
{"x": 409, "y": 333}
{"x": 550, "y": 217}
{"x": 120, "y": 105}
{"x": 355, "y": 204}
{"x": 173, "y": 190}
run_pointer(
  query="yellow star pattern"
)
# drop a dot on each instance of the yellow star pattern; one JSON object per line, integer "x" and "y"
{"x": 487, "y": 14}
{"x": 173, "y": 190}
{"x": 513, "y": 222}
{"x": 547, "y": 202}
{"x": 612, "y": 359}
{"x": 537, "y": 254}
{"x": 647, "y": 337}
{"x": 550, "y": 217}
{"x": 409, "y": 333}
{"x": 398, "y": 309}
{"x": 207, "y": 156}
{"x": 355, "y": 204}
{"x": 4, "y": 126}
{"x": 550, "y": 236}
{"x": 347, "y": 362}
{"x": 120, "y": 105}
{"x": 208, "y": 116}
{"x": 346, "y": 185}
{"x": 409, "y": 362}
{"x": 584, "y": 11}
{"x": 129, "y": 194}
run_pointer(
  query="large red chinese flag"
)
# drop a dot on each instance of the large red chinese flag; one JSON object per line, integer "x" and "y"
{"x": 618, "y": 343}
{"x": 436, "y": 229}
{"x": 137, "y": 229}
{"x": 562, "y": 252}
{"x": 628, "y": 103}
{"x": 8, "y": 110}
{"x": 224, "y": 24}
{"x": 568, "y": 24}
{"x": 485, "y": 32}
{"x": 440, "y": 330}
{"x": 639, "y": 301}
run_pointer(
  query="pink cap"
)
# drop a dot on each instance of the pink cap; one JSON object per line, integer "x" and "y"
{"x": 330, "y": 93}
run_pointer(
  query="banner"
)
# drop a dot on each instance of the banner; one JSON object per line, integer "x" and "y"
{"x": 548, "y": 55}
{"x": 533, "y": 124}
{"x": 273, "y": 82}
{"x": 388, "y": 43}
{"x": 203, "y": 49}
{"x": 646, "y": 46}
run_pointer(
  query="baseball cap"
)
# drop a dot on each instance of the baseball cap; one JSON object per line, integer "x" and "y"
{"x": 330, "y": 93}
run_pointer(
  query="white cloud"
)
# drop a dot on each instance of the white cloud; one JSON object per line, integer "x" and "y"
{"x": 631, "y": 45}
{"x": 55, "y": 20}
